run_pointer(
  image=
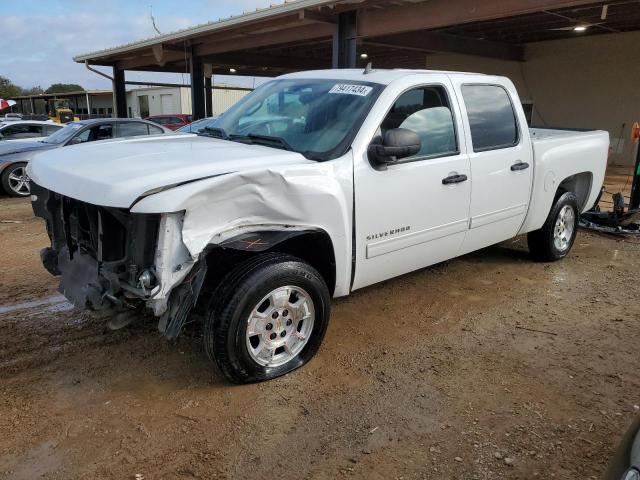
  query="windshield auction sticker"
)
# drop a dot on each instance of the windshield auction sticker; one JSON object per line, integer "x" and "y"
{"x": 360, "y": 90}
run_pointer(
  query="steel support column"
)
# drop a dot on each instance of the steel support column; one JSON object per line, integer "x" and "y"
{"x": 345, "y": 41}
{"x": 197, "y": 87}
{"x": 208, "y": 96}
{"x": 119, "y": 94}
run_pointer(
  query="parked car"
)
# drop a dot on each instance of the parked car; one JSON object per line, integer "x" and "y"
{"x": 15, "y": 154}
{"x": 198, "y": 125}
{"x": 355, "y": 178}
{"x": 172, "y": 122}
{"x": 18, "y": 130}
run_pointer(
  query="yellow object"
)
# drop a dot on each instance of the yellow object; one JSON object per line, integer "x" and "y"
{"x": 59, "y": 111}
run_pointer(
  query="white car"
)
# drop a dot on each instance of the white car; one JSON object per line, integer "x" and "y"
{"x": 26, "y": 129}
{"x": 314, "y": 185}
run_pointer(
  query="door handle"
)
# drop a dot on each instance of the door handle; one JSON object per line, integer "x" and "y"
{"x": 519, "y": 166}
{"x": 451, "y": 179}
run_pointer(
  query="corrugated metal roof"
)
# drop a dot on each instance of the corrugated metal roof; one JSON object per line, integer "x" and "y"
{"x": 288, "y": 6}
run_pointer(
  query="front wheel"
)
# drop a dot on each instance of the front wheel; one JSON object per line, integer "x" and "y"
{"x": 267, "y": 318}
{"x": 555, "y": 239}
{"x": 15, "y": 180}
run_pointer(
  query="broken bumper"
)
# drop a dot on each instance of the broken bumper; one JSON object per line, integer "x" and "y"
{"x": 109, "y": 257}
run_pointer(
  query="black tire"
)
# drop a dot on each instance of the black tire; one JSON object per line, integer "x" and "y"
{"x": 233, "y": 301}
{"x": 541, "y": 242}
{"x": 6, "y": 181}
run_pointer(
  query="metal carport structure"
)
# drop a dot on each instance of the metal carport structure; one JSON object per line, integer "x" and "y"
{"x": 309, "y": 34}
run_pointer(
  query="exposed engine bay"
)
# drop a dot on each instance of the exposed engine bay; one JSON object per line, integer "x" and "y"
{"x": 111, "y": 259}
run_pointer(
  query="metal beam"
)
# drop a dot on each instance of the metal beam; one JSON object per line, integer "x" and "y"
{"x": 119, "y": 94}
{"x": 169, "y": 68}
{"x": 151, "y": 60}
{"x": 433, "y": 42}
{"x": 186, "y": 85}
{"x": 278, "y": 37}
{"x": 158, "y": 84}
{"x": 197, "y": 87}
{"x": 252, "y": 59}
{"x": 444, "y": 13}
{"x": 344, "y": 41}
{"x": 315, "y": 16}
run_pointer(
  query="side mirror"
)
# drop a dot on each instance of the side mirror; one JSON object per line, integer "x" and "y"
{"x": 74, "y": 141}
{"x": 397, "y": 143}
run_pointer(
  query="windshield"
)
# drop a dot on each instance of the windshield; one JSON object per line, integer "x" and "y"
{"x": 317, "y": 118}
{"x": 64, "y": 134}
{"x": 198, "y": 125}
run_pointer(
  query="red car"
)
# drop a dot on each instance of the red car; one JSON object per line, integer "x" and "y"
{"x": 172, "y": 122}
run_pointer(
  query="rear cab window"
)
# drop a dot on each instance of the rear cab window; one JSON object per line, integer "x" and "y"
{"x": 492, "y": 118}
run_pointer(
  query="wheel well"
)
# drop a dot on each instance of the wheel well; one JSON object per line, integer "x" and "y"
{"x": 314, "y": 247}
{"x": 580, "y": 185}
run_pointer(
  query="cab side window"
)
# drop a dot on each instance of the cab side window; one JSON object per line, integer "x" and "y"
{"x": 492, "y": 119}
{"x": 426, "y": 111}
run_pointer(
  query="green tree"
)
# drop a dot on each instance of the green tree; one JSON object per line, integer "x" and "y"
{"x": 7, "y": 89}
{"x": 64, "y": 88}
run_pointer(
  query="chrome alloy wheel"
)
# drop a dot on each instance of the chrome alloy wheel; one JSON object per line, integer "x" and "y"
{"x": 279, "y": 326}
{"x": 563, "y": 231}
{"x": 19, "y": 181}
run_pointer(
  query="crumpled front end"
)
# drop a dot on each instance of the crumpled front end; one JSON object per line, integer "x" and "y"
{"x": 111, "y": 259}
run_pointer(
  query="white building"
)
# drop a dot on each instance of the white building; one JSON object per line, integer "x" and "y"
{"x": 141, "y": 102}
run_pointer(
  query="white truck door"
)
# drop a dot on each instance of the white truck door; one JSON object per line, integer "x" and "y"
{"x": 416, "y": 212}
{"x": 501, "y": 160}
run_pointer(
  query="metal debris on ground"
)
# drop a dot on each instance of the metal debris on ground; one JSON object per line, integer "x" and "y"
{"x": 623, "y": 219}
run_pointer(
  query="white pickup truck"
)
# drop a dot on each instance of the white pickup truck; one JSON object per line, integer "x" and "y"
{"x": 315, "y": 185}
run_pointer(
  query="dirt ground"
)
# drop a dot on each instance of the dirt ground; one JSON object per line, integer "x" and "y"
{"x": 486, "y": 367}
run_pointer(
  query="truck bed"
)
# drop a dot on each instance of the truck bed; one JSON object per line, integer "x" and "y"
{"x": 565, "y": 155}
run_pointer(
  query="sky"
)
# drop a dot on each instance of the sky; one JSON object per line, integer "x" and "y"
{"x": 38, "y": 38}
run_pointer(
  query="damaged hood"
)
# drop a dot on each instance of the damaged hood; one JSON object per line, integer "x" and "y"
{"x": 117, "y": 173}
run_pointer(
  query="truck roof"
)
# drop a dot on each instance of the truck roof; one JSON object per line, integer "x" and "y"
{"x": 382, "y": 76}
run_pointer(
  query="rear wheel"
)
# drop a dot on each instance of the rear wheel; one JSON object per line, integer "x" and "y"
{"x": 267, "y": 318}
{"x": 555, "y": 239}
{"x": 15, "y": 180}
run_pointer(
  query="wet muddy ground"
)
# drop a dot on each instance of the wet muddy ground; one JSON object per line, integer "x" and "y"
{"x": 486, "y": 367}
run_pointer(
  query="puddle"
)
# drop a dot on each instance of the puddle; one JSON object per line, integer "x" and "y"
{"x": 38, "y": 462}
{"x": 57, "y": 303}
